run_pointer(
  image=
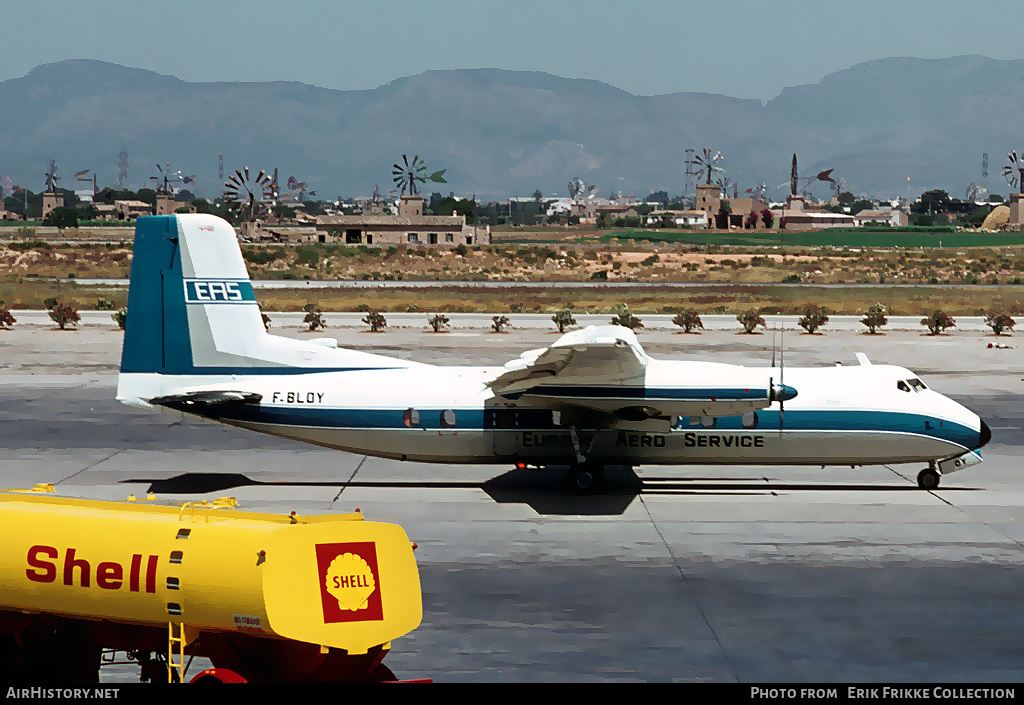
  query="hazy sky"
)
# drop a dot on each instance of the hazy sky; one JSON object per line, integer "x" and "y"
{"x": 741, "y": 48}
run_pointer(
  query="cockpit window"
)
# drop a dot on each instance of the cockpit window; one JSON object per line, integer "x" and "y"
{"x": 902, "y": 386}
{"x": 917, "y": 384}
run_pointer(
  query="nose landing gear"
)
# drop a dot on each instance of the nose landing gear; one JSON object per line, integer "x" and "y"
{"x": 928, "y": 479}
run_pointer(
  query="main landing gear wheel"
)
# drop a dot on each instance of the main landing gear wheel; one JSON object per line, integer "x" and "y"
{"x": 928, "y": 479}
{"x": 585, "y": 479}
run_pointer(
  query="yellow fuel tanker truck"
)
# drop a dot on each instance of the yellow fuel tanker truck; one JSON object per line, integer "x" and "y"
{"x": 266, "y": 597}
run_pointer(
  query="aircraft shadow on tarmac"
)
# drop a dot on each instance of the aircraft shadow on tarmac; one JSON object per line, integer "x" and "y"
{"x": 546, "y": 493}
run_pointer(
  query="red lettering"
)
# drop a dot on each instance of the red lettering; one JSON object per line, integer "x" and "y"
{"x": 70, "y": 563}
{"x": 109, "y": 576}
{"x": 151, "y": 574}
{"x": 133, "y": 576}
{"x": 49, "y": 570}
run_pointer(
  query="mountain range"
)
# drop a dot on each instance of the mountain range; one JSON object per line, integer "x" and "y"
{"x": 889, "y": 127}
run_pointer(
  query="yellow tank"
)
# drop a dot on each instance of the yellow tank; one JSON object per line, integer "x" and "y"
{"x": 335, "y": 581}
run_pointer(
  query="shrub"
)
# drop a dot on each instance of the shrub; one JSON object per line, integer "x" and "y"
{"x": 624, "y": 317}
{"x": 438, "y": 321}
{"x": 120, "y": 317}
{"x": 104, "y": 305}
{"x": 751, "y": 319}
{"x": 874, "y": 318}
{"x": 938, "y": 322}
{"x": 563, "y": 319}
{"x": 688, "y": 320}
{"x": 62, "y": 314}
{"x": 6, "y": 318}
{"x": 998, "y": 321}
{"x": 314, "y": 317}
{"x": 499, "y": 322}
{"x": 814, "y": 318}
{"x": 376, "y": 321}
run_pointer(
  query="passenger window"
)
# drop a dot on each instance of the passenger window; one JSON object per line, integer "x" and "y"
{"x": 708, "y": 421}
{"x": 411, "y": 417}
{"x": 902, "y": 386}
{"x": 749, "y": 419}
{"x": 447, "y": 418}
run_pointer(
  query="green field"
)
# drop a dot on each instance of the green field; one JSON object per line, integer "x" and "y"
{"x": 856, "y": 237}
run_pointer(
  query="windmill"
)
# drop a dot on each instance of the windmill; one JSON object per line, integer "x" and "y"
{"x": 251, "y": 198}
{"x": 803, "y": 183}
{"x": 975, "y": 192}
{"x": 579, "y": 189}
{"x": 759, "y": 190}
{"x": 406, "y": 174}
{"x": 705, "y": 165}
{"x": 52, "y": 178}
{"x": 1014, "y": 164}
{"x": 83, "y": 175}
{"x": 163, "y": 181}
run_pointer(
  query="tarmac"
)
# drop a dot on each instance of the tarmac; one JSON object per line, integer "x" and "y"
{"x": 702, "y": 574}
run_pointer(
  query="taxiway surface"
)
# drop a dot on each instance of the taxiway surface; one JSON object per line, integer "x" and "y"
{"x": 705, "y": 573}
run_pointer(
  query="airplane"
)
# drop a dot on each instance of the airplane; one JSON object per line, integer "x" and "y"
{"x": 195, "y": 343}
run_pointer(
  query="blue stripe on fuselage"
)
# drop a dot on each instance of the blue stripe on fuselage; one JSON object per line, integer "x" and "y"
{"x": 821, "y": 421}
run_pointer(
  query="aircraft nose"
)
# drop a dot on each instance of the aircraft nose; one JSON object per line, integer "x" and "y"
{"x": 984, "y": 434}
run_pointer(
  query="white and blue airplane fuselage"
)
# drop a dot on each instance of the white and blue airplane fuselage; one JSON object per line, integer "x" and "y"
{"x": 195, "y": 343}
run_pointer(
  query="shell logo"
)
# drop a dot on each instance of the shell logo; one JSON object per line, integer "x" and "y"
{"x": 349, "y": 582}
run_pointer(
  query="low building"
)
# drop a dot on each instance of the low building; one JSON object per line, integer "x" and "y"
{"x": 130, "y": 210}
{"x": 884, "y": 216}
{"x": 409, "y": 227}
{"x": 689, "y": 218}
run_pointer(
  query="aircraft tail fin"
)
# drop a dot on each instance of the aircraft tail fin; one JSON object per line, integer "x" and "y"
{"x": 192, "y": 313}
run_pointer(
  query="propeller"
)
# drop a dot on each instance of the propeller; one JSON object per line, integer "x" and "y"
{"x": 780, "y": 392}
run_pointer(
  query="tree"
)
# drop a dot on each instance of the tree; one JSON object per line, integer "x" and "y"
{"x": 62, "y": 314}
{"x": 768, "y": 218}
{"x": 751, "y": 319}
{"x": 314, "y": 317}
{"x": 62, "y": 217}
{"x": 874, "y": 318}
{"x": 623, "y": 317}
{"x": 688, "y": 320}
{"x": 751, "y": 221}
{"x": 814, "y": 318}
{"x": 376, "y": 321}
{"x": 938, "y": 322}
{"x": 499, "y": 322}
{"x": 438, "y": 321}
{"x": 998, "y": 321}
{"x": 563, "y": 319}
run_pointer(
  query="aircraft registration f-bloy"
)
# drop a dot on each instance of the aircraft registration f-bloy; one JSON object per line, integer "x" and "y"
{"x": 195, "y": 343}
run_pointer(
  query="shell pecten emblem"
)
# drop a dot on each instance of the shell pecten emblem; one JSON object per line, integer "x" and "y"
{"x": 350, "y": 581}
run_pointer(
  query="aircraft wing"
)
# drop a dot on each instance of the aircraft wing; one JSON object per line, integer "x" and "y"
{"x": 598, "y": 355}
{"x": 600, "y": 376}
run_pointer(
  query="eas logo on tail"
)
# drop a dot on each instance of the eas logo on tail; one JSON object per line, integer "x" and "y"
{"x": 349, "y": 582}
{"x": 205, "y": 291}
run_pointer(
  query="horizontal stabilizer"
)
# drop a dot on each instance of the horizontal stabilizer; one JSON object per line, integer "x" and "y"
{"x": 204, "y": 399}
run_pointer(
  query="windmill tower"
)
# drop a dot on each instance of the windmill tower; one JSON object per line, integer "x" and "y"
{"x": 51, "y": 199}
